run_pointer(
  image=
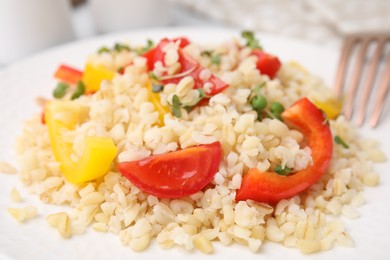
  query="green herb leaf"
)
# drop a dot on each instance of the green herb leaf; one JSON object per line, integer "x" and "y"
{"x": 80, "y": 90}
{"x": 121, "y": 47}
{"x": 251, "y": 41}
{"x": 341, "y": 142}
{"x": 206, "y": 53}
{"x": 256, "y": 89}
{"x": 60, "y": 90}
{"x": 103, "y": 49}
{"x": 282, "y": 171}
{"x": 153, "y": 76}
{"x": 216, "y": 59}
{"x": 176, "y": 105}
{"x": 149, "y": 45}
{"x": 202, "y": 94}
{"x": 156, "y": 88}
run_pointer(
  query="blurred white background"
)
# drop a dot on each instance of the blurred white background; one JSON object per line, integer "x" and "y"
{"x": 27, "y": 26}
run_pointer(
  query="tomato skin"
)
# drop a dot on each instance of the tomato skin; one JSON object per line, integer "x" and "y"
{"x": 187, "y": 63}
{"x": 270, "y": 187}
{"x": 266, "y": 63}
{"x": 176, "y": 174}
{"x": 183, "y": 41}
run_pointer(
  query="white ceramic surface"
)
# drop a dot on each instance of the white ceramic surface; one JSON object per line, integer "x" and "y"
{"x": 116, "y": 15}
{"x": 23, "y": 81}
{"x": 30, "y": 26}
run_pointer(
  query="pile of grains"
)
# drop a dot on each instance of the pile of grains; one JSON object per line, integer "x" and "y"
{"x": 122, "y": 111}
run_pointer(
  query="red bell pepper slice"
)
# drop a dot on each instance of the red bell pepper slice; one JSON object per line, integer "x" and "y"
{"x": 269, "y": 186}
{"x": 187, "y": 64}
{"x": 43, "y": 121}
{"x": 68, "y": 74}
{"x": 176, "y": 174}
{"x": 267, "y": 64}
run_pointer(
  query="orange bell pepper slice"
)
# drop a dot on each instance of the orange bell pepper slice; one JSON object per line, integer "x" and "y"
{"x": 68, "y": 74}
{"x": 269, "y": 186}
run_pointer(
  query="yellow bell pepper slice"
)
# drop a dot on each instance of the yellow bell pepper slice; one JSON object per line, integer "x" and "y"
{"x": 331, "y": 107}
{"x": 94, "y": 75}
{"x": 154, "y": 98}
{"x": 298, "y": 66}
{"x": 98, "y": 154}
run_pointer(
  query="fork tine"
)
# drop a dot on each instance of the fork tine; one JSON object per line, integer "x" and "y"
{"x": 381, "y": 95}
{"x": 341, "y": 71}
{"x": 356, "y": 76}
{"x": 369, "y": 83}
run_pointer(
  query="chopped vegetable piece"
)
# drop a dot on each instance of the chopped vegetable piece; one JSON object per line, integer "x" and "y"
{"x": 266, "y": 63}
{"x": 216, "y": 59}
{"x": 149, "y": 45}
{"x": 183, "y": 41}
{"x": 176, "y": 106}
{"x": 276, "y": 108}
{"x": 270, "y": 187}
{"x": 80, "y": 90}
{"x": 98, "y": 154}
{"x": 176, "y": 174}
{"x": 103, "y": 50}
{"x": 60, "y": 90}
{"x": 251, "y": 40}
{"x": 153, "y": 76}
{"x": 257, "y": 88}
{"x": 94, "y": 75}
{"x": 206, "y": 53}
{"x": 282, "y": 171}
{"x": 187, "y": 65}
{"x": 258, "y": 103}
{"x": 43, "y": 122}
{"x": 341, "y": 142}
{"x": 157, "y": 87}
{"x": 332, "y": 107}
{"x": 121, "y": 47}
{"x": 154, "y": 98}
{"x": 68, "y": 74}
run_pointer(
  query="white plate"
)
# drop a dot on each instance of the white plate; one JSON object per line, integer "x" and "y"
{"x": 25, "y": 80}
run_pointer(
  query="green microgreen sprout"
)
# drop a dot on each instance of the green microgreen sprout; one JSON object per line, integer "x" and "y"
{"x": 80, "y": 90}
{"x": 121, "y": 47}
{"x": 103, "y": 50}
{"x": 153, "y": 76}
{"x": 341, "y": 142}
{"x": 282, "y": 171}
{"x": 216, "y": 59}
{"x": 176, "y": 106}
{"x": 60, "y": 90}
{"x": 251, "y": 40}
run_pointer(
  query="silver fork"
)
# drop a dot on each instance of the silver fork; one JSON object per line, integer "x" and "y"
{"x": 362, "y": 42}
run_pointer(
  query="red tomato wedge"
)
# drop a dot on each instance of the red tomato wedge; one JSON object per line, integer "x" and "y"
{"x": 176, "y": 174}
{"x": 271, "y": 187}
{"x": 187, "y": 64}
{"x": 183, "y": 41}
{"x": 267, "y": 64}
{"x": 68, "y": 74}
